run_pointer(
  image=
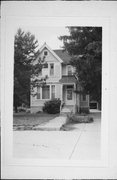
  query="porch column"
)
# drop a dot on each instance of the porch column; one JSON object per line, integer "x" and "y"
{"x": 61, "y": 96}
{"x": 61, "y": 92}
{"x": 50, "y": 91}
{"x": 88, "y": 99}
{"x": 75, "y": 87}
{"x": 75, "y": 99}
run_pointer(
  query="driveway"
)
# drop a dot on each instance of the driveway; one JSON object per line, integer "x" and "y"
{"x": 82, "y": 143}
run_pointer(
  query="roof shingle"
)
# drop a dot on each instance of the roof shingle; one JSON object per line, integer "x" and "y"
{"x": 68, "y": 79}
{"x": 63, "y": 55}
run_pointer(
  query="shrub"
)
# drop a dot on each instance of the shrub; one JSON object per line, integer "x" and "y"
{"x": 72, "y": 118}
{"x": 52, "y": 106}
{"x": 21, "y": 109}
{"x": 84, "y": 110}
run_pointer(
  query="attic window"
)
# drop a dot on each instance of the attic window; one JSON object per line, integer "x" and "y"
{"x": 45, "y": 53}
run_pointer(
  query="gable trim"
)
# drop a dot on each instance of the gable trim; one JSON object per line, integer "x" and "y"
{"x": 54, "y": 54}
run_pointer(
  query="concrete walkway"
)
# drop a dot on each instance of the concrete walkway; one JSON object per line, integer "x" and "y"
{"x": 52, "y": 125}
{"x": 82, "y": 143}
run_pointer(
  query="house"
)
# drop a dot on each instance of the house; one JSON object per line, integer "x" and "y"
{"x": 61, "y": 82}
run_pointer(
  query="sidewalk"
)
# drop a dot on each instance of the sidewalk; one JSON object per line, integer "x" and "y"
{"x": 52, "y": 125}
{"x": 82, "y": 143}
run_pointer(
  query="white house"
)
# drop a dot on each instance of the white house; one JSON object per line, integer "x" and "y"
{"x": 61, "y": 82}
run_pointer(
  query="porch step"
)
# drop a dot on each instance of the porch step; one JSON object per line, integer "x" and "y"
{"x": 67, "y": 109}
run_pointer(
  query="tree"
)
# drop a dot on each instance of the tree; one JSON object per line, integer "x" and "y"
{"x": 84, "y": 44}
{"x": 25, "y": 68}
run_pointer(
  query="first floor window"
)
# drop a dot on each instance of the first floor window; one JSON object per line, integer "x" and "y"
{"x": 46, "y": 92}
{"x": 38, "y": 92}
{"x": 53, "y": 91}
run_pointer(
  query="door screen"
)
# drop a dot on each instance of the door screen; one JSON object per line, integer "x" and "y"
{"x": 69, "y": 94}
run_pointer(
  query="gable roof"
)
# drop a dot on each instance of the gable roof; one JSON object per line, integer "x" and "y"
{"x": 54, "y": 54}
{"x": 63, "y": 55}
{"x": 60, "y": 54}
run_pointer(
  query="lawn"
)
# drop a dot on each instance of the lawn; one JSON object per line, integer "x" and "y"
{"x": 25, "y": 121}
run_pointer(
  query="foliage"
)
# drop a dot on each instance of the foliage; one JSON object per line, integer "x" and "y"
{"x": 84, "y": 110}
{"x": 52, "y": 106}
{"x": 72, "y": 118}
{"x": 84, "y": 44}
{"x": 25, "y": 68}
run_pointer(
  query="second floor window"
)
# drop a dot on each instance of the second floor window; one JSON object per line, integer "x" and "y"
{"x": 51, "y": 69}
{"x": 70, "y": 70}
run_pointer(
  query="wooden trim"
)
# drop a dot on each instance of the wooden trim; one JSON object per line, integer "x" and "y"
{"x": 54, "y": 54}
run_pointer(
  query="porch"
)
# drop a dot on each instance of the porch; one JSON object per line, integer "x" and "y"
{"x": 68, "y": 98}
{"x": 72, "y": 101}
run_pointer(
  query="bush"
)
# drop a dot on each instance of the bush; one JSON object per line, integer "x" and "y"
{"x": 52, "y": 106}
{"x": 21, "y": 109}
{"x": 72, "y": 118}
{"x": 84, "y": 110}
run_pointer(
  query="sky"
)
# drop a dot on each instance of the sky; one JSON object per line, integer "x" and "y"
{"x": 49, "y": 35}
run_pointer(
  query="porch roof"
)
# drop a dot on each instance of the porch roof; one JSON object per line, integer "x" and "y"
{"x": 68, "y": 79}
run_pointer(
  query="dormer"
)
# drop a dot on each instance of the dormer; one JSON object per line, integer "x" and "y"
{"x": 70, "y": 70}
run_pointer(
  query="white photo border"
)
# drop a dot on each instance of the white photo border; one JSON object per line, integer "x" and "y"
{"x": 12, "y": 24}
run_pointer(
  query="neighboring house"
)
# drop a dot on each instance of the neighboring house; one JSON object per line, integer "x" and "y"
{"x": 94, "y": 105}
{"x": 61, "y": 82}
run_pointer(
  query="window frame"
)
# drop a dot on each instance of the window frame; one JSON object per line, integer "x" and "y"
{"x": 50, "y": 69}
{"x": 39, "y": 92}
{"x": 42, "y": 93}
{"x": 52, "y": 92}
{"x": 45, "y": 51}
{"x": 68, "y": 70}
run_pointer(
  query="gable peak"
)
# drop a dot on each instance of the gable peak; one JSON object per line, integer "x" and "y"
{"x": 46, "y": 46}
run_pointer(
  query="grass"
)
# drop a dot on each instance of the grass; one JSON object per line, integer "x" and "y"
{"x": 78, "y": 118}
{"x": 75, "y": 119}
{"x": 31, "y": 120}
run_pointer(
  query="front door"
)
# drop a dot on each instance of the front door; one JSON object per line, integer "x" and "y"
{"x": 69, "y": 96}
